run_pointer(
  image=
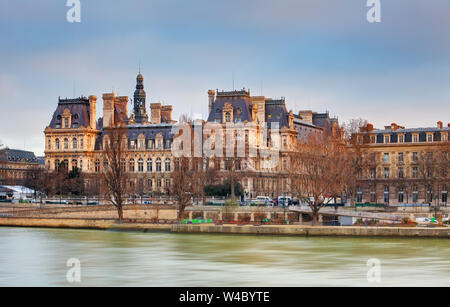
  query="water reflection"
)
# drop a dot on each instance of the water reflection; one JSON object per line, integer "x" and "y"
{"x": 37, "y": 257}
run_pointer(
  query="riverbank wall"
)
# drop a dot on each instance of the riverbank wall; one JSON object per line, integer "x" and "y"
{"x": 285, "y": 230}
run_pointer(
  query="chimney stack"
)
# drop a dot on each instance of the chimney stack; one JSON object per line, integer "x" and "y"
{"x": 156, "y": 113}
{"x": 93, "y": 111}
{"x": 166, "y": 113}
{"x": 108, "y": 110}
{"x": 306, "y": 116}
{"x": 439, "y": 125}
{"x": 211, "y": 96}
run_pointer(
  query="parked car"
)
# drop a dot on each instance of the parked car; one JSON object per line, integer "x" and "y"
{"x": 147, "y": 202}
{"x": 264, "y": 200}
{"x": 284, "y": 201}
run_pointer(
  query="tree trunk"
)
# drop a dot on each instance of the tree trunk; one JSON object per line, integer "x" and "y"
{"x": 120, "y": 212}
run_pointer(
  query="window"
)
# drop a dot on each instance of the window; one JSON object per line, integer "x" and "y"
{"x": 401, "y": 173}
{"x": 131, "y": 166}
{"x": 150, "y": 183}
{"x": 444, "y": 137}
{"x": 66, "y": 122}
{"x": 359, "y": 195}
{"x": 149, "y": 165}
{"x": 429, "y": 137}
{"x": 373, "y": 197}
{"x": 415, "y": 172}
{"x": 123, "y": 165}
{"x": 401, "y": 138}
{"x": 49, "y": 143}
{"x": 81, "y": 143}
{"x": 140, "y": 165}
{"x": 75, "y": 143}
{"x": 167, "y": 165}
{"x": 373, "y": 139}
{"x": 57, "y": 144}
{"x": 444, "y": 195}
{"x": 97, "y": 166}
{"x": 386, "y": 172}
{"x": 167, "y": 183}
{"x": 387, "y": 139}
{"x": 401, "y": 195}
{"x": 400, "y": 157}
{"x": 57, "y": 164}
{"x": 158, "y": 165}
{"x": 415, "y": 156}
{"x": 386, "y": 157}
{"x": 373, "y": 173}
{"x": 386, "y": 194}
{"x": 415, "y": 195}
{"x": 66, "y": 143}
{"x": 415, "y": 138}
{"x": 228, "y": 117}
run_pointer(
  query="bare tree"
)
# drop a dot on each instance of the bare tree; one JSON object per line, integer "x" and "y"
{"x": 352, "y": 126}
{"x": 114, "y": 175}
{"x": 182, "y": 188}
{"x": 317, "y": 171}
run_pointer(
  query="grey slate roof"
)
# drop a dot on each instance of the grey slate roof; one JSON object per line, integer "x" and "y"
{"x": 14, "y": 155}
{"x": 78, "y": 107}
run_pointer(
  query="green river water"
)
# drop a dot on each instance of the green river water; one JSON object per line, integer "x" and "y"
{"x": 38, "y": 257}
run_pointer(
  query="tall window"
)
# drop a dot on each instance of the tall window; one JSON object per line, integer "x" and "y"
{"x": 415, "y": 138}
{"x": 75, "y": 143}
{"x": 386, "y": 172}
{"x": 415, "y": 156}
{"x": 400, "y": 157}
{"x": 149, "y": 165}
{"x": 415, "y": 194}
{"x": 430, "y": 138}
{"x": 167, "y": 166}
{"x": 415, "y": 172}
{"x": 401, "y": 195}
{"x": 386, "y": 194}
{"x": 228, "y": 117}
{"x": 140, "y": 165}
{"x": 131, "y": 166}
{"x": 66, "y": 143}
{"x": 158, "y": 165}
{"x": 386, "y": 157}
{"x": 401, "y": 173}
{"x": 57, "y": 144}
{"x": 386, "y": 139}
{"x": 97, "y": 166}
{"x": 401, "y": 139}
{"x": 49, "y": 143}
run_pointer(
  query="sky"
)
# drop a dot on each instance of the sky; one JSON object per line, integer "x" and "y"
{"x": 321, "y": 55}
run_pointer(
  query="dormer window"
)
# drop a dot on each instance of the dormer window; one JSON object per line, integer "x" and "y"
{"x": 387, "y": 139}
{"x": 66, "y": 122}
{"x": 415, "y": 138}
{"x": 228, "y": 117}
{"x": 373, "y": 139}
{"x": 401, "y": 138}
{"x": 429, "y": 137}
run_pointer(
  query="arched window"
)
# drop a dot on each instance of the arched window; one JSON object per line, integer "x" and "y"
{"x": 167, "y": 165}
{"x": 123, "y": 165}
{"x": 57, "y": 144}
{"x": 140, "y": 165}
{"x": 57, "y": 163}
{"x": 131, "y": 168}
{"x": 158, "y": 165}
{"x": 74, "y": 164}
{"x": 66, "y": 143}
{"x": 75, "y": 143}
{"x": 97, "y": 166}
{"x": 149, "y": 165}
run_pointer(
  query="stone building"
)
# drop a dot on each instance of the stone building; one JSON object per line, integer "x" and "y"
{"x": 16, "y": 166}
{"x": 402, "y": 165}
{"x": 76, "y": 139}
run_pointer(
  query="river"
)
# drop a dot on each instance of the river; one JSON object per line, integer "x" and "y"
{"x": 38, "y": 257}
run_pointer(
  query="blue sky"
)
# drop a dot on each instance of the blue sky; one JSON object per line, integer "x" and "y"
{"x": 319, "y": 54}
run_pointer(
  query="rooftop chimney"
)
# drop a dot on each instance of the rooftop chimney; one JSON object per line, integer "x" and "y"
{"x": 306, "y": 116}
{"x": 211, "y": 96}
{"x": 166, "y": 113}
{"x": 156, "y": 113}
{"x": 439, "y": 125}
{"x": 93, "y": 111}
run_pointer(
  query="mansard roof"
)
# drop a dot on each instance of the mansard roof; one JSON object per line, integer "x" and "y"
{"x": 78, "y": 107}
{"x": 15, "y": 155}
